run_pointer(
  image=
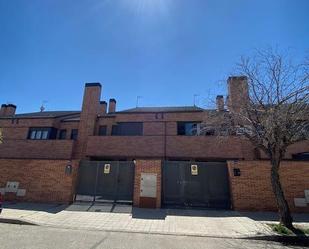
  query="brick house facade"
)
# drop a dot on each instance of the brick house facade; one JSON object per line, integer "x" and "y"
{"x": 41, "y": 154}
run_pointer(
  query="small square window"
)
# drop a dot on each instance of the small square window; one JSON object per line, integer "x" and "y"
{"x": 102, "y": 130}
{"x": 74, "y": 134}
{"x": 63, "y": 134}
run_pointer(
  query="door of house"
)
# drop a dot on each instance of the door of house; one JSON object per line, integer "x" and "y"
{"x": 105, "y": 181}
{"x": 196, "y": 184}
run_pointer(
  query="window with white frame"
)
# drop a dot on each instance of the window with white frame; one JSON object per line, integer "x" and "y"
{"x": 42, "y": 133}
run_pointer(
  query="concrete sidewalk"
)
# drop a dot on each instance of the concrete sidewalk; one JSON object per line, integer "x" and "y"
{"x": 109, "y": 217}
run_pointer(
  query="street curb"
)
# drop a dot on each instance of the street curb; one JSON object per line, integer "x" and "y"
{"x": 20, "y": 221}
{"x": 152, "y": 232}
{"x": 285, "y": 240}
{"x": 16, "y": 222}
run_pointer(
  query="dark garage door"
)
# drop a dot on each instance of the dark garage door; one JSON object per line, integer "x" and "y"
{"x": 209, "y": 187}
{"x": 99, "y": 184}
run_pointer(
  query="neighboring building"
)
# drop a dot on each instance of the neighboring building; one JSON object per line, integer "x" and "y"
{"x": 151, "y": 156}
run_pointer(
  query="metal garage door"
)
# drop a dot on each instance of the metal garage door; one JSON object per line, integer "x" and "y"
{"x": 197, "y": 184}
{"x": 105, "y": 181}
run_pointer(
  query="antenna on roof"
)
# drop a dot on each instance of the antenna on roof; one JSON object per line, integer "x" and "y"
{"x": 194, "y": 99}
{"x": 137, "y": 100}
{"x": 42, "y": 108}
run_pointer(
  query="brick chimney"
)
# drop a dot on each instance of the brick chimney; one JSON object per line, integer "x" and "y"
{"x": 3, "y": 110}
{"x": 10, "y": 110}
{"x": 112, "y": 106}
{"x": 220, "y": 103}
{"x": 88, "y": 117}
{"x": 238, "y": 93}
{"x": 7, "y": 110}
{"x": 103, "y": 107}
{"x": 227, "y": 101}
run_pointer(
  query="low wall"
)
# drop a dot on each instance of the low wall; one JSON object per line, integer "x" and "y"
{"x": 252, "y": 191}
{"x": 38, "y": 180}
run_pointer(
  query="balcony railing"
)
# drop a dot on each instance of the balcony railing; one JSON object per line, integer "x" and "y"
{"x": 36, "y": 149}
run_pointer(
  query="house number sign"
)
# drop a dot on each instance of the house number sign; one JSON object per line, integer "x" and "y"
{"x": 107, "y": 168}
{"x": 194, "y": 170}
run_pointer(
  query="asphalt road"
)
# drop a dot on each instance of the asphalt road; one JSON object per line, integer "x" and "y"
{"x": 25, "y": 236}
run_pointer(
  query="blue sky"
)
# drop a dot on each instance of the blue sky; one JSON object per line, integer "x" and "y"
{"x": 163, "y": 50}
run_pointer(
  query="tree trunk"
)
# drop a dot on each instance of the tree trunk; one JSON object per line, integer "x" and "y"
{"x": 283, "y": 207}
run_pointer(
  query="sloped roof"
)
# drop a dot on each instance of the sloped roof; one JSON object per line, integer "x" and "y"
{"x": 45, "y": 114}
{"x": 163, "y": 109}
{"x": 71, "y": 119}
{"x": 74, "y": 115}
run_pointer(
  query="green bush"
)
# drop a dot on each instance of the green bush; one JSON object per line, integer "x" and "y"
{"x": 281, "y": 229}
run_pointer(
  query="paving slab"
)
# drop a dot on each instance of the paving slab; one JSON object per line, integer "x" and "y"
{"x": 125, "y": 218}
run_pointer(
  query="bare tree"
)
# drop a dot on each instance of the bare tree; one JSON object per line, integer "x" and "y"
{"x": 1, "y": 137}
{"x": 274, "y": 115}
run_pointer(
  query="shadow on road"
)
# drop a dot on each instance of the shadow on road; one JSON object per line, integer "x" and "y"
{"x": 40, "y": 207}
{"x": 284, "y": 240}
{"x": 140, "y": 213}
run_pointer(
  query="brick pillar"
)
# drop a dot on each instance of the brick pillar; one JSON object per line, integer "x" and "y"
{"x": 147, "y": 166}
{"x": 88, "y": 117}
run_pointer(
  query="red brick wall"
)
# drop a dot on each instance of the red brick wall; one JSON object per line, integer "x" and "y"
{"x": 147, "y": 166}
{"x": 16, "y": 145}
{"x": 20, "y": 130}
{"x": 153, "y": 128}
{"x": 252, "y": 190}
{"x": 125, "y": 146}
{"x": 36, "y": 149}
{"x": 176, "y": 146}
{"x": 207, "y": 147}
{"x": 44, "y": 180}
{"x": 152, "y": 143}
{"x": 14, "y": 130}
